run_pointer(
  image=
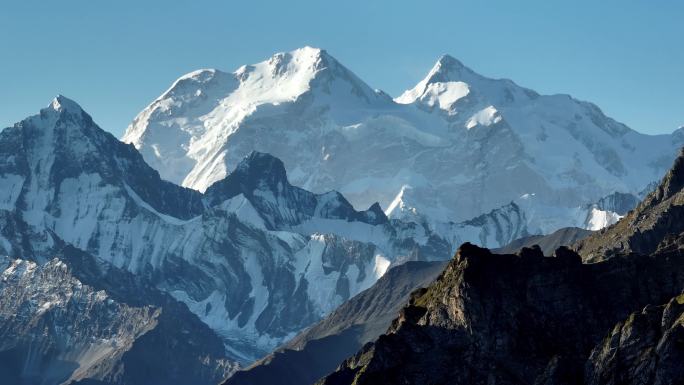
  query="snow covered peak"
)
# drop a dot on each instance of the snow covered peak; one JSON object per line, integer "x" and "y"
{"x": 306, "y": 57}
{"x": 291, "y": 74}
{"x": 456, "y": 137}
{"x": 446, "y": 82}
{"x": 448, "y": 65}
{"x": 189, "y": 123}
{"x": 63, "y": 104}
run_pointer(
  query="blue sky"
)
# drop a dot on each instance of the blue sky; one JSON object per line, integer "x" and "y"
{"x": 114, "y": 57}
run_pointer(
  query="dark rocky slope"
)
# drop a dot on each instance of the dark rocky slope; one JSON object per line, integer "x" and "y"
{"x": 319, "y": 349}
{"x": 509, "y": 319}
{"x": 646, "y": 348}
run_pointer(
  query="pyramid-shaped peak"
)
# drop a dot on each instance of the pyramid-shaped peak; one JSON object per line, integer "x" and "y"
{"x": 63, "y": 104}
{"x": 448, "y": 68}
{"x": 304, "y": 58}
{"x": 310, "y": 51}
{"x": 447, "y": 61}
{"x": 256, "y": 171}
{"x": 262, "y": 166}
{"x": 261, "y": 159}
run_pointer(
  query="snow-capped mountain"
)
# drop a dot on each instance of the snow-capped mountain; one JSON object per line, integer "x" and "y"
{"x": 254, "y": 257}
{"x": 455, "y": 146}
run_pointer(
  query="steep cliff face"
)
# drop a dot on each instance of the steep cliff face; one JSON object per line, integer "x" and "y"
{"x": 509, "y": 319}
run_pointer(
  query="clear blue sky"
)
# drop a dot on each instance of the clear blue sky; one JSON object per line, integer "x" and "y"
{"x": 114, "y": 57}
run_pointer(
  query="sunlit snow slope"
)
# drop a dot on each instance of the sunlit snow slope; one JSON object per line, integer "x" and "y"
{"x": 455, "y": 146}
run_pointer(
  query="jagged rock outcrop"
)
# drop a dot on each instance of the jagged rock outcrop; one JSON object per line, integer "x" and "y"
{"x": 645, "y": 348}
{"x": 656, "y": 224}
{"x": 54, "y": 329}
{"x": 511, "y": 319}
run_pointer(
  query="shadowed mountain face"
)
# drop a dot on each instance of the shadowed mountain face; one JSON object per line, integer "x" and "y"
{"x": 509, "y": 319}
{"x": 526, "y": 318}
{"x": 255, "y": 258}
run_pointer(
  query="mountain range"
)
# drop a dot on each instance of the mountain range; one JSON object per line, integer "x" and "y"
{"x": 253, "y": 259}
{"x": 453, "y": 147}
{"x": 281, "y": 215}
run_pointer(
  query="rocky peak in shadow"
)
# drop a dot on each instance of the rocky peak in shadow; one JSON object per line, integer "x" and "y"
{"x": 261, "y": 178}
{"x": 512, "y": 319}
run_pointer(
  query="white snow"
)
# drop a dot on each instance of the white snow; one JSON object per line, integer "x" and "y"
{"x": 240, "y": 206}
{"x": 360, "y": 142}
{"x": 381, "y": 266}
{"x": 599, "y": 219}
{"x": 485, "y": 117}
{"x": 441, "y": 95}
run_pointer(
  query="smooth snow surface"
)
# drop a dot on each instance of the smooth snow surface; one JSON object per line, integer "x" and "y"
{"x": 466, "y": 144}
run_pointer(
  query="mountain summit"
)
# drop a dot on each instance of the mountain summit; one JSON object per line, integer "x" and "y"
{"x": 455, "y": 146}
{"x": 63, "y": 104}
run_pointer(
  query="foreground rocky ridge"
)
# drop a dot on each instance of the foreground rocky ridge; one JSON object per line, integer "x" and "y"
{"x": 536, "y": 322}
{"x": 319, "y": 349}
{"x": 525, "y": 318}
{"x": 547, "y": 243}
